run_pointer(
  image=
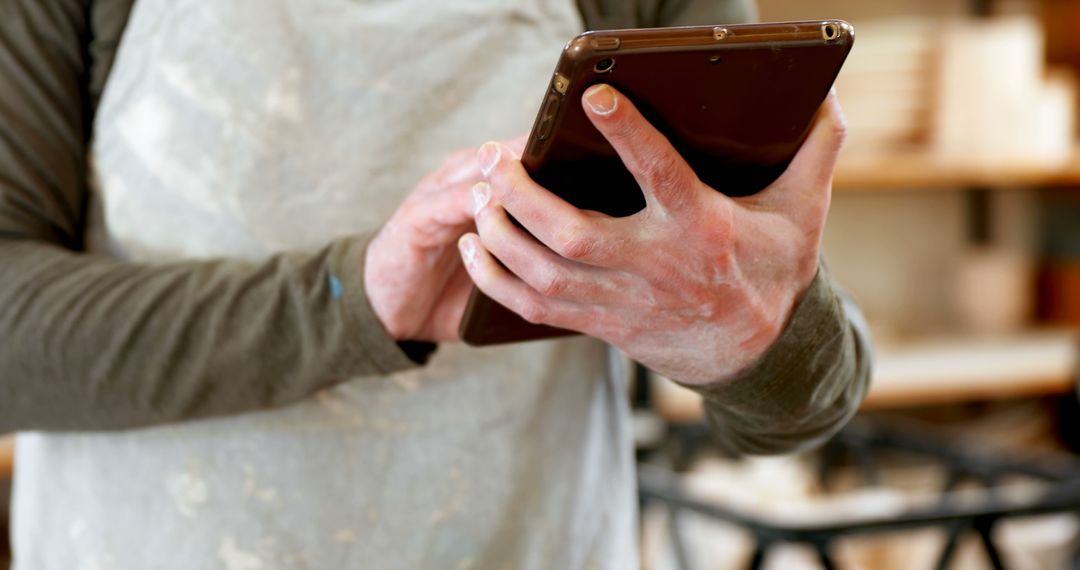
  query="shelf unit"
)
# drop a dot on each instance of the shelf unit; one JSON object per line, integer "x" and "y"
{"x": 942, "y": 371}
{"x": 908, "y": 170}
{"x": 7, "y": 456}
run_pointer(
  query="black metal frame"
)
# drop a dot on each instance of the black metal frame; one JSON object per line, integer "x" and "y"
{"x": 860, "y": 444}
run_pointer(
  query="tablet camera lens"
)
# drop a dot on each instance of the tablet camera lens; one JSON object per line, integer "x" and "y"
{"x": 604, "y": 65}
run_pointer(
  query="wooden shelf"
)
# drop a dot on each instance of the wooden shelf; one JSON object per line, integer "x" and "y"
{"x": 958, "y": 370}
{"x": 7, "y": 455}
{"x": 943, "y": 371}
{"x": 907, "y": 170}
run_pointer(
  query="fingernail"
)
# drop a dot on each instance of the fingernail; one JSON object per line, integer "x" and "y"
{"x": 481, "y": 193}
{"x": 602, "y": 100}
{"x": 468, "y": 251}
{"x": 489, "y": 155}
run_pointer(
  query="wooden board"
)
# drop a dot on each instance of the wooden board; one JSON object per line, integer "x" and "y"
{"x": 7, "y": 456}
{"x": 943, "y": 371}
{"x": 915, "y": 169}
{"x": 972, "y": 369}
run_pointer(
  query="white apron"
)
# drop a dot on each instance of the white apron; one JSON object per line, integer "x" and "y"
{"x": 246, "y": 127}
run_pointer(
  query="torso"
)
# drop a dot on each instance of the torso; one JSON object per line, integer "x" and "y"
{"x": 242, "y": 128}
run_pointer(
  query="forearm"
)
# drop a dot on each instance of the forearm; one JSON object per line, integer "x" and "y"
{"x": 94, "y": 343}
{"x": 806, "y": 386}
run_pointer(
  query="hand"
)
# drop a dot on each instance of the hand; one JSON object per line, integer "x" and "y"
{"x": 696, "y": 286}
{"x": 413, "y": 277}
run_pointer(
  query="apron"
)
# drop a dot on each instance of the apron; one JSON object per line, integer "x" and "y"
{"x": 242, "y": 128}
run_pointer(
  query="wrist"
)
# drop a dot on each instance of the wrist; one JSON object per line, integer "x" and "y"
{"x": 767, "y": 326}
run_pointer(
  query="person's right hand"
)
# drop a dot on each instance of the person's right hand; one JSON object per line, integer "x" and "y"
{"x": 413, "y": 276}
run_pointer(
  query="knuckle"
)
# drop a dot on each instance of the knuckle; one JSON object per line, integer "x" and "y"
{"x": 487, "y": 224}
{"x": 576, "y": 249}
{"x": 575, "y": 244}
{"x": 533, "y": 312}
{"x": 838, "y": 129}
{"x": 817, "y": 212}
{"x": 505, "y": 189}
{"x": 552, "y": 284}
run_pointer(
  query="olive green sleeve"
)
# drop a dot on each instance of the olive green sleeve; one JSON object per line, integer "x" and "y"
{"x": 90, "y": 342}
{"x": 93, "y": 343}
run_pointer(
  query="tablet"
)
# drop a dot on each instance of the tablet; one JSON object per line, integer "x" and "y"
{"x": 736, "y": 101}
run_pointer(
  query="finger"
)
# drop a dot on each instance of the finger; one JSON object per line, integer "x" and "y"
{"x": 446, "y": 318}
{"x": 664, "y": 176}
{"x": 461, "y": 166}
{"x": 511, "y": 292}
{"x": 566, "y": 230}
{"x": 808, "y": 179}
{"x": 822, "y": 147}
{"x": 437, "y": 218}
{"x": 547, "y": 273}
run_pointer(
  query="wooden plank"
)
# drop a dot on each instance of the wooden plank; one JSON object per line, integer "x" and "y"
{"x": 967, "y": 370}
{"x": 917, "y": 169}
{"x": 945, "y": 371}
{"x": 7, "y": 456}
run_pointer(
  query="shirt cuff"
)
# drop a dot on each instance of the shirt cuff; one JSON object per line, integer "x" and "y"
{"x": 372, "y": 339}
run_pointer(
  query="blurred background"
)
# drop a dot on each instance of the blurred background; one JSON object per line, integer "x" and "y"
{"x": 956, "y": 225}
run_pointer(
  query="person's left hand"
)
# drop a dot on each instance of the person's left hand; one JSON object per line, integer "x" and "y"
{"x": 696, "y": 286}
{"x": 413, "y": 278}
